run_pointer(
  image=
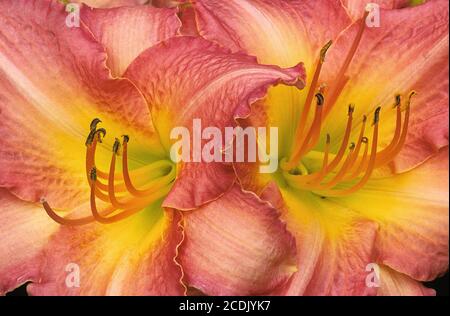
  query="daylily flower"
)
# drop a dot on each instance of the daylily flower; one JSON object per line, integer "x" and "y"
{"x": 364, "y": 172}
{"x": 73, "y": 198}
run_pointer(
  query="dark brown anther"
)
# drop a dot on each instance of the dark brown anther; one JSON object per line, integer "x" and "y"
{"x": 126, "y": 138}
{"x": 323, "y": 51}
{"x": 320, "y": 99}
{"x": 410, "y": 95}
{"x": 116, "y": 146}
{"x": 398, "y": 100}
{"x": 93, "y": 174}
{"x": 90, "y": 137}
{"x": 100, "y": 133}
{"x": 364, "y": 140}
{"x": 94, "y": 124}
{"x": 376, "y": 116}
{"x": 351, "y": 109}
{"x": 352, "y": 146}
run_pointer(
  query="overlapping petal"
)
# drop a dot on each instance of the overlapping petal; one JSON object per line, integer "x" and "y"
{"x": 409, "y": 51}
{"x": 279, "y": 33}
{"x": 393, "y": 283}
{"x": 334, "y": 244}
{"x": 132, "y": 257}
{"x": 110, "y": 3}
{"x": 202, "y": 81}
{"x": 24, "y": 230}
{"x": 400, "y": 221}
{"x": 53, "y": 83}
{"x": 236, "y": 246}
{"x": 127, "y": 31}
{"x": 412, "y": 212}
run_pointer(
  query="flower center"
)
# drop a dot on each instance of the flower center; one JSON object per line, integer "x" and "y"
{"x": 106, "y": 186}
{"x": 353, "y": 164}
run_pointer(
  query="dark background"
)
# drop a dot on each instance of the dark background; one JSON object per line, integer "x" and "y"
{"x": 440, "y": 285}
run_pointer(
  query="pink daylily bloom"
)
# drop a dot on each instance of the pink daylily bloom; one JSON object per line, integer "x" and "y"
{"x": 361, "y": 184}
{"x": 127, "y": 32}
{"x": 122, "y": 228}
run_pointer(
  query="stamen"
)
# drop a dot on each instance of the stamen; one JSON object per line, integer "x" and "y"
{"x": 342, "y": 167}
{"x": 112, "y": 168}
{"x": 398, "y": 126}
{"x": 133, "y": 207}
{"x": 341, "y": 152}
{"x": 307, "y": 106}
{"x": 341, "y": 79}
{"x": 349, "y": 169}
{"x": 360, "y": 167}
{"x": 370, "y": 168}
{"x": 361, "y": 136}
{"x": 79, "y": 221}
{"x": 155, "y": 185}
{"x": 145, "y": 197}
{"x": 94, "y": 123}
{"x": 65, "y": 221}
{"x": 312, "y": 136}
{"x": 340, "y": 175}
{"x": 325, "y": 157}
{"x": 387, "y": 155}
{"x": 158, "y": 188}
{"x": 91, "y": 145}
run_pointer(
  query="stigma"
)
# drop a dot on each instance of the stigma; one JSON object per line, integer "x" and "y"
{"x": 348, "y": 169}
{"x": 118, "y": 193}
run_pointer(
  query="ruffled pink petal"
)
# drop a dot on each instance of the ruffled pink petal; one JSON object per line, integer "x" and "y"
{"x": 409, "y": 51}
{"x": 393, "y": 283}
{"x": 412, "y": 212}
{"x": 24, "y": 231}
{"x": 133, "y": 257}
{"x": 166, "y": 3}
{"x": 200, "y": 183}
{"x": 188, "y": 21}
{"x": 110, "y": 3}
{"x": 277, "y": 32}
{"x": 53, "y": 83}
{"x": 216, "y": 87}
{"x": 334, "y": 244}
{"x": 126, "y": 32}
{"x": 356, "y": 8}
{"x": 236, "y": 245}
